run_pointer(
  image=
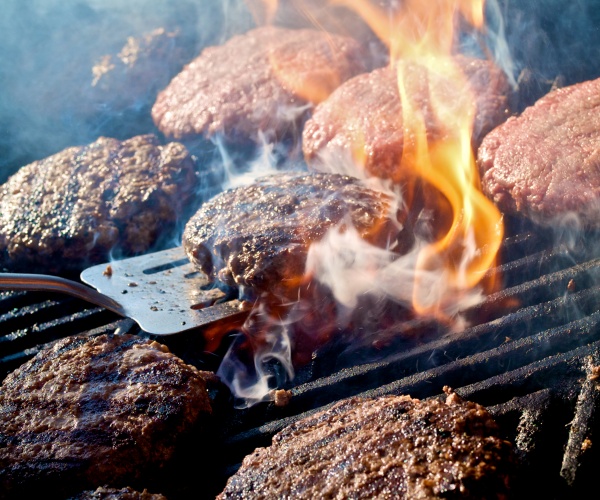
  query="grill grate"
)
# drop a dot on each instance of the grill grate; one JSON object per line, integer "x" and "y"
{"x": 530, "y": 357}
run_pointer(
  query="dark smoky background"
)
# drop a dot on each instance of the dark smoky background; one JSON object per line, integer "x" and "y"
{"x": 50, "y": 97}
{"x": 48, "y": 49}
{"x": 552, "y": 43}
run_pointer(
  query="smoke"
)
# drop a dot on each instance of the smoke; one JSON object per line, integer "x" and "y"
{"x": 267, "y": 157}
{"x": 496, "y": 40}
{"x": 251, "y": 381}
{"x": 353, "y": 269}
{"x": 551, "y": 42}
{"x": 48, "y": 49}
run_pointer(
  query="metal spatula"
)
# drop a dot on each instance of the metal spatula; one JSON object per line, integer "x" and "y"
{"x": 161, "y": 291}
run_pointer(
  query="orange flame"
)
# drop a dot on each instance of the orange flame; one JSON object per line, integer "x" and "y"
{"x": 263, "y": 11}
{"x": 423, "y": 34}
{"x": 300, "y": 77}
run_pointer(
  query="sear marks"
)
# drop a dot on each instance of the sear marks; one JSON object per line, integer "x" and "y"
{"x": 544, "y": 163}
{"x": 94, "y": 411}
{"x": 85, "y": 204}
{"x": 258, "y": 236}
{"x": 261, "y": 81}
{"x": 363, "y": 118}
{"x": 389, "y": 447}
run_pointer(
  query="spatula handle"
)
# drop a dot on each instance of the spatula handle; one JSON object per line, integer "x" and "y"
{"x": 45, "y": 283}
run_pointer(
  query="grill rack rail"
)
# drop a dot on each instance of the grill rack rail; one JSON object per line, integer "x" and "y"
{"x": 532, "y": 362}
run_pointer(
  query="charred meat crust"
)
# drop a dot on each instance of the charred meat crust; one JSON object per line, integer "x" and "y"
{"x": 259, "y": 235}
{"x": 85, "y": 204}
{"x": 389, "y": 447}
{"x": 95, "y": 411}
{"x": 255, "y": 82}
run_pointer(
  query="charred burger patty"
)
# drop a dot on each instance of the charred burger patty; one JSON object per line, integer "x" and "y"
{"x": 94, "y": 411}
{"x": 127, "y": 493}
{"x": 258, "y": 236}
{"x": 84, "y": 204}
{"x": 390, "y": 447}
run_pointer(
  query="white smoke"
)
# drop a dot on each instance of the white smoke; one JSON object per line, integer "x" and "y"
{"x": 352, "y": 268}
{"x": 253, "y": 383}
{"x": 264, "y": 161}
{"x": 49, "y": 47}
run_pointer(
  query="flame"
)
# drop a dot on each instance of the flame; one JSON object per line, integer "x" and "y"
{"x": 263, "y": 11}
{"x": 422, "y": 35}
{"x": 440, "y": 276}
{"x": 309, "y": 85}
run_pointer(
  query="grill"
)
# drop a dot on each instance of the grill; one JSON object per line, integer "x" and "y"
{"x": 531, "y": 356}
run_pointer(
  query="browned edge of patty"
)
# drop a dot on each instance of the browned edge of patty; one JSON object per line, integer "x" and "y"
{"x": 126, "y": 493}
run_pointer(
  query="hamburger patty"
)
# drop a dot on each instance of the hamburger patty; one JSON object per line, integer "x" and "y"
{"x": 94, "y": 411}
{"x": 389, "y": 447}
{"x": 258, "y": 236}
{"x": 364, "y": 116}
{"x": 144, "y": 65}
{"x": 263, "y": 81}
{"x": 544, "y": 163}
{"x": 86, "y": 203}
{"x": 123, "y": 86}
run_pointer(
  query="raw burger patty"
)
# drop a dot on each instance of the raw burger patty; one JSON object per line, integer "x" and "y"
{"x": 263, "y": 80}
{"x": 389, "y": 447}
{"x": 364, "y": 116}
{"x": 545, "y": 163}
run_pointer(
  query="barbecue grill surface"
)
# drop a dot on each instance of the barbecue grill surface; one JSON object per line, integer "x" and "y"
{"x": 530, "y": 356}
